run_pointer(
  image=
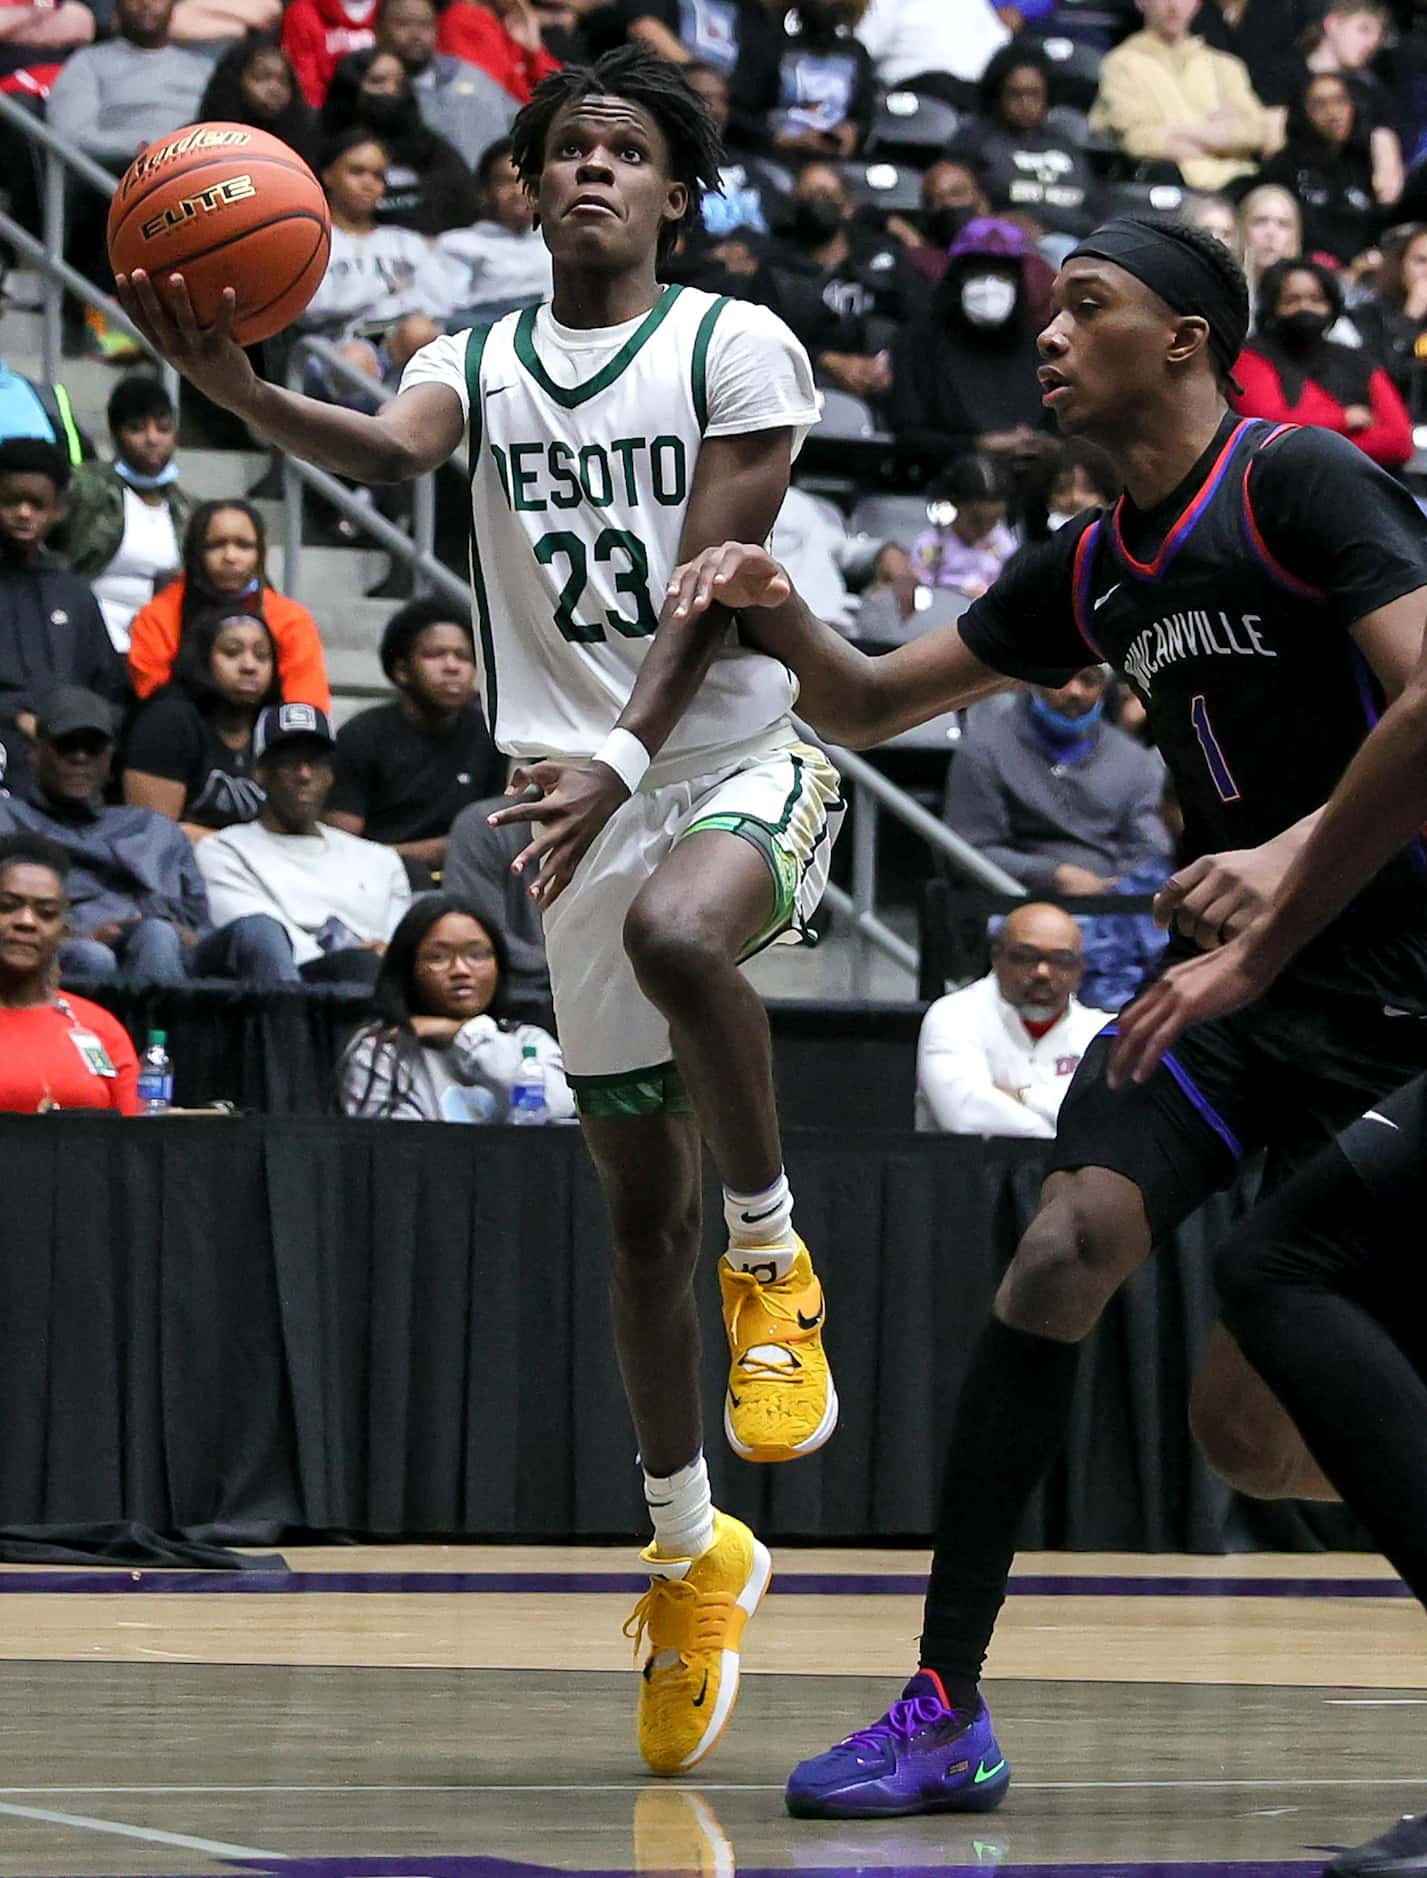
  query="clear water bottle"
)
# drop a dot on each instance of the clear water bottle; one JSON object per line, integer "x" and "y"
{"x": 528, "y": 1107}
{"x": 155, "y": 1075}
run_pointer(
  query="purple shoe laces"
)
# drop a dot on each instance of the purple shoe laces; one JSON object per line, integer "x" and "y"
{"x": 903, "y": 1720}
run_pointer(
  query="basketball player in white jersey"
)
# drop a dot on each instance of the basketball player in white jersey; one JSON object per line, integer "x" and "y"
{"x": 680, "y": 823}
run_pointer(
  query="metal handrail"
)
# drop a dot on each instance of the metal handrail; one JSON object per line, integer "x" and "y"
{"x": 48, "y": 256}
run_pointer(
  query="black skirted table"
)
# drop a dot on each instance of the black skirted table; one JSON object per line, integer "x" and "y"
{"x": 236, "y": 1327}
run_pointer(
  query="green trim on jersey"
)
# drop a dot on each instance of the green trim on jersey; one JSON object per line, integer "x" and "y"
{"x": 702, "y": 340}
{"x": 655, "y": 1091}
{"x": 575, "y": 395}
{"x": 475, "y": 349}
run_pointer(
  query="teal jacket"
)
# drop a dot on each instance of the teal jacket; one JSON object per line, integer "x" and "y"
{"x": 88, "y": 538}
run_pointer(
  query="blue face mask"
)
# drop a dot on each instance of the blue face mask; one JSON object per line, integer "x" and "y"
{"x": 1057, "y": 728}
{"x": 168, "y": 474}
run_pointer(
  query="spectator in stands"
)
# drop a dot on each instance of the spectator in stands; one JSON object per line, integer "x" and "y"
{"x": 1394, "y": 324}
{"x": 503, "y": 256}
{"x": 254, "y": 83}
{"x": 739, "y": 40}
{"x": 441, "y": 1049}
{"x": 459, "y": 102}
{"x": 136, "y": 897}
{"x": 189, "y": 752}
{"x": 478, "y": 859}
{"x": 1270, "y": 229}
{"x": 968, "y": 542}
{"x": 308, "y": 902}
{"x": 1292, "y": 373}
{"x": 428, "y": 187}
{"x": 1045, "y": 789}
{"x": 888, "y": 614}
{"x": 51, "y": 630}
{"x": 810, "y": 539}
{"x": 1028, "y": 163}
{"x": 752, "y": 195}
{"x": 126, "y": 518}
{"x": 841, "y": 288}
{"x": 1255, "y": 31}
{"x": 386, "y": 292}
{"x": 113, "y": 98}
{"x": 1166, "y": 96}
{"x": 1216, "y": 215}
{"x": 1082, "y": 477}
{"x": 501, "y": 38}
{"x": 936, "y": 46}
{"x": 56, "y": 1051}
{"x": 997, "y": 1057}
{"x": 1345, "y": 37}
{"x": 826, "y": 84}
{"x": 1327, "y": 167}
{"x": 952, "y": 196}
{"x": 404, "y": 771}
{"x": 964, "y": 371}
{"x": 36, "y": 38}
{"x": 225, "y": 562}
{"x": 317, "y": 34}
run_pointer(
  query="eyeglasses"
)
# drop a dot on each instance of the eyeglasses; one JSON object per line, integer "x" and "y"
{"x": 1027, "y": 958}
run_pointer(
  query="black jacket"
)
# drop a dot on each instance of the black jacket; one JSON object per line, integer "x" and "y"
{"x": 51, "y": 633}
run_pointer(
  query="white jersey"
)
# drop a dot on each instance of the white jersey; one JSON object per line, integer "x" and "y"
{"x": 583, "y": 448}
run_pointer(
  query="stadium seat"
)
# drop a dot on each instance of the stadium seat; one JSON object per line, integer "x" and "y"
{"x": 1075, "y": 70}
{"x": 889, "y": 518}
{"x": 845, "y": 416}
{"x": 895, "y": 188}
{"x": 911, "y": 127}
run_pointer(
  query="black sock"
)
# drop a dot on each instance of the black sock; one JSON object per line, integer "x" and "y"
{"x": 1010, "y": 1421}
{"x": 1321, "y": 1288}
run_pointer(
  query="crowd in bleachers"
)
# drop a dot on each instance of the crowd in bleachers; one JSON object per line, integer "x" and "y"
{"x": 901, "y": 179}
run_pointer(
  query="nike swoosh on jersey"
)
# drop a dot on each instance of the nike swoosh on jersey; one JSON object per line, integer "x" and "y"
{"x": 493, "y": 391}
{"x": 1373, "y": 1116}
{"x": 1107, "y": 595}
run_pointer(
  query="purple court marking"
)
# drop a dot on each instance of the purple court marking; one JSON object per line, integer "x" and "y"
{"x": 118, "y": 1578}
{"x": 443, "y": 1866}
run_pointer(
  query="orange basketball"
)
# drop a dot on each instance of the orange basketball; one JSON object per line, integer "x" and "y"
{"x": 225, "y": 206}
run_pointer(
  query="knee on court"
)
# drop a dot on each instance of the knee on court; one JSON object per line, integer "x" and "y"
{"x": 1072, "y": 1258}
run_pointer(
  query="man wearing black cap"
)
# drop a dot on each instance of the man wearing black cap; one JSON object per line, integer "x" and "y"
{"x": 136, "y": 896}
{"x": 300, "y": 900}
{"x": 1263, "y": 589}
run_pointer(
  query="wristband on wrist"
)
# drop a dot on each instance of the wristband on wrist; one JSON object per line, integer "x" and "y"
{"x": 622, "y": 752}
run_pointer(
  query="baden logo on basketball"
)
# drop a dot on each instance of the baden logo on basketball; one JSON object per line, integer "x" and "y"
{"x": 217, "y": 196}
{"x": 229, "y": 137}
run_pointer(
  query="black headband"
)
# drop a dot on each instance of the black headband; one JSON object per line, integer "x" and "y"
{"x": 1184, "y": 278}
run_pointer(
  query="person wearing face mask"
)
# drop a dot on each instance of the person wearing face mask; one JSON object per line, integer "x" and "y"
{"x": 996, "y": 1057}
{"x": 1046, "y": 789}
{"x": 429, "y": 189}
{"x": 841, "y": 288}
{"x": 126, "y": 518}
{"x": 1292, "y": 373}
{"x": 964, "y": 371}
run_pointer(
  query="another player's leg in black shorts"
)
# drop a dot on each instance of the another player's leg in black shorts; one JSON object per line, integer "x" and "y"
{"x": 1325, "y": 1288}
{"x": 1128, "y": 1168}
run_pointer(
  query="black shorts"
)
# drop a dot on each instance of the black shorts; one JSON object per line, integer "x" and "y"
{"x": 1387, "y": 1147}
{"x": 1286, "y": 1076}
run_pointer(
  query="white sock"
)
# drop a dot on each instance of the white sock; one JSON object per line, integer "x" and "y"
{"x": 681, "y": 1509}
{"x": 760, "y": 1230}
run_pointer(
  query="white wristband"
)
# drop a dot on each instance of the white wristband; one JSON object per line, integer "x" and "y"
{"x": 622, "y": 752}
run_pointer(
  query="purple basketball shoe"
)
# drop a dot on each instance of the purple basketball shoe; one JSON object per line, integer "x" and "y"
{"x": 922, "y": 1757}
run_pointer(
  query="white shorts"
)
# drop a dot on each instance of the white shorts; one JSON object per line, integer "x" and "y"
{"x": 618, "y": 1056}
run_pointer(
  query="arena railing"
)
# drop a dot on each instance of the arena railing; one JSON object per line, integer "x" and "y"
{"x": 871, "y": 795}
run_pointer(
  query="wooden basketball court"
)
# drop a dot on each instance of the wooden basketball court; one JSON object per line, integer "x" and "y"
{"x": 448, "y": 1712}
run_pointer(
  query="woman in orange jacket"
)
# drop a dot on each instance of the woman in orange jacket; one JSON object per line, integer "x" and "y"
{"x": 225, "y": 559}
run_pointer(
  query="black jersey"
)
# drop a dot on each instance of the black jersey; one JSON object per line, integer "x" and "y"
{"x": 1228, "y": 608}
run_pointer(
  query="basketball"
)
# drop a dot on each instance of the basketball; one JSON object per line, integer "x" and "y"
{"x": 225, "y": 206}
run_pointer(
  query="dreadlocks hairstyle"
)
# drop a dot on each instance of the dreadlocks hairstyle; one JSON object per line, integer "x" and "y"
{"x": 639, "y": 77}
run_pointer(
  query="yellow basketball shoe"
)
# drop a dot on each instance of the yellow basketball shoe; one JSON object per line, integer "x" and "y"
{"x": 692, "y": 1617}
{"x": 781, "y": 1402}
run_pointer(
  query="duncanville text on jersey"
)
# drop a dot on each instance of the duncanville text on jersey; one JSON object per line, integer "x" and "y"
{"x": 1191, "y": 635}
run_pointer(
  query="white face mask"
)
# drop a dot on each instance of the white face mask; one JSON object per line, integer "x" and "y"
{"x": 988, "y": 299}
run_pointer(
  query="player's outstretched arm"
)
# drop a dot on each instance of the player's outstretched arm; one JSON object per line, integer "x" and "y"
{"x": 846, "y": 696}
{"x": 416, "y": 432}
{"x": 1378, "y": 807}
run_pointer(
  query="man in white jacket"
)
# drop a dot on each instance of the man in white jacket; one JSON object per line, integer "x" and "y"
{"x": 997, "y": 1057}
{"x": 302, "y": 901}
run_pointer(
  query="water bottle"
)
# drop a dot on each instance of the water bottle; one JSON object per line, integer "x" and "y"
{"x": 155, "y": 1075}
{"x": 528, "y": 1107}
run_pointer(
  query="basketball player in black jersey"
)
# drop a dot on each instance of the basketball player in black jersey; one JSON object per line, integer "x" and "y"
{"x": 1264, "y": 591}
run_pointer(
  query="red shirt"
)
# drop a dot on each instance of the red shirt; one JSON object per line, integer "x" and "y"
{"x": 473, "y": 33}
{"x": 50, "y": 1057}
{"x": 1387, "y": 440}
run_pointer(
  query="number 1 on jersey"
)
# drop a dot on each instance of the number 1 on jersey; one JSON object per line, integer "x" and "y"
{"x": 1213, "y": 756}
